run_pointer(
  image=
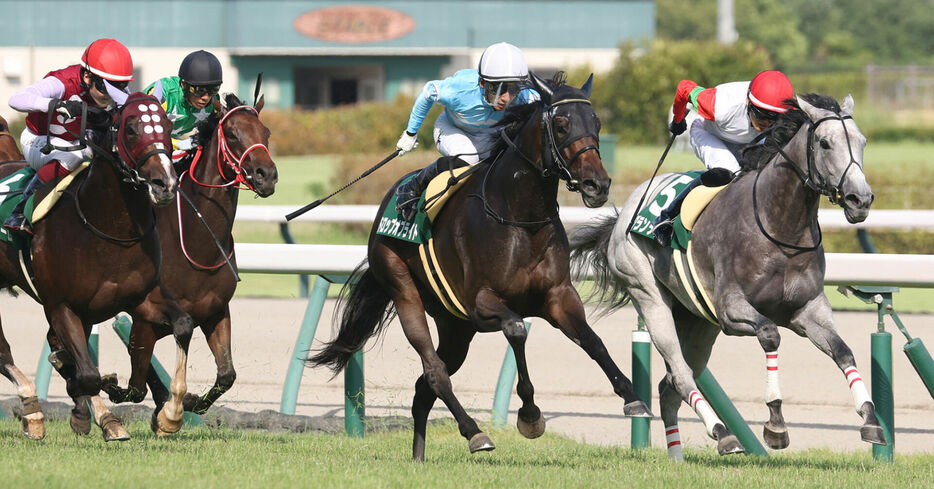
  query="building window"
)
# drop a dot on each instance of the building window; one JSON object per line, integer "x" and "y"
{"x": 318, "y": 87}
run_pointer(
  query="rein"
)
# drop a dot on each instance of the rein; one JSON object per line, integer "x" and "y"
{"x": 226, "y": 155}
{"x": 550, "y": 165}
{"x": 822, "y": 187}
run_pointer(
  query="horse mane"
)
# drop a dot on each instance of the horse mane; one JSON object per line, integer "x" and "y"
{"x": 209, "y": 125}
{"x": 784, "y": 128}
{"x": 517, "y": 115}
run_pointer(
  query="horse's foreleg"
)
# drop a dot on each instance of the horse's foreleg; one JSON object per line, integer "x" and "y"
{"x": 564, "y": 310}
{"x": 816, "y": 321}
{"x": 85, "y": 384}
{"x": 217, "y": 332}
{"x": 774, "y": 431}
{"x": 33, "y": 419}
{"x": 160, "y": 308}
{"x": 492, "y": 311}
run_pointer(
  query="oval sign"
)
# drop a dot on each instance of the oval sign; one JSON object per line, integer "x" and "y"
{"x": 354, "y": 24}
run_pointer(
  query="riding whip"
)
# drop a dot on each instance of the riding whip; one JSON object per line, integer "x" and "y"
{"x": 649, "y": 186}
{"x": 294, "y": 214}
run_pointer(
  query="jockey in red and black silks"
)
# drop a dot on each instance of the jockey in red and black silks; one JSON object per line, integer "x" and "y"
{"x": 100, "y": 80}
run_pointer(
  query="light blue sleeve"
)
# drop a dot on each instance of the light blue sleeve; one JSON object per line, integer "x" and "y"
{"x": 428, "y": 96}
{"x": 528, "y": 95}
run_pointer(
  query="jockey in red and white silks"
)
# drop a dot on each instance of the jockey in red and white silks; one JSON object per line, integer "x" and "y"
{"x": 731, "y": 115}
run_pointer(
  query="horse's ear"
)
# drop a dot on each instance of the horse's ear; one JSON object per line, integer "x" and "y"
{"x": 260, "y": 103}
{"x": 588, "y": 86}
{"x": 218, "y": 107}
{"x": 847, "y": 107}
{"x": 813, "y": 112}
{"x": 541, "y": 86}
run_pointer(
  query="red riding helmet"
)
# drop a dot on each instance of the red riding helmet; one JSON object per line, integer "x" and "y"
{"x": 108, "y": 59}
{"x": 769, "y": 89}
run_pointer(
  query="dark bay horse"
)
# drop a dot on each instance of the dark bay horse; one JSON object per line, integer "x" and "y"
{"x": 97, "y": 253}
{"x": 9, "y": 150}
{"x": 194, "y": 269}
{"x": 504, "y": 250}
{"x": 757, "y": 251}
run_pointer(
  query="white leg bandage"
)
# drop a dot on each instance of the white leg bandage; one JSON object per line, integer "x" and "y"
{"x": 703, "y": 409}
{"x": 772, "y": 391}
{"x": 857, "y": 388}
{"x": 673, "y": 439}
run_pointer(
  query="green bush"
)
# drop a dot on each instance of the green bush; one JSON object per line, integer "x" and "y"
{"x": 352, "y": 129}
{"x": 635, "y": 96}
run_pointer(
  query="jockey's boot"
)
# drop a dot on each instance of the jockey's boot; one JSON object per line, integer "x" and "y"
{"x": 17, "y": 221}
{"x": 409, "y": 193}
{"x": 664, "y": 225}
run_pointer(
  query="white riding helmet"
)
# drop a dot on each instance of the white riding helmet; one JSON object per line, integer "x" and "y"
{"x": 503, "y": 62}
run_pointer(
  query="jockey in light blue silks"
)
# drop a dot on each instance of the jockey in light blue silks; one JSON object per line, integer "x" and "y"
{"x": 474, "y": 101}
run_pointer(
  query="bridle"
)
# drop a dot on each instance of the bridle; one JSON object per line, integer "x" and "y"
{"x": 812, "y": 179}
{"x": 553, "y": 161}
{"x": 225, "y": 155}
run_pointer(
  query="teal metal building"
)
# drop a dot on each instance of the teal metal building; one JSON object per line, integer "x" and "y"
{"x": 319, "y": 53}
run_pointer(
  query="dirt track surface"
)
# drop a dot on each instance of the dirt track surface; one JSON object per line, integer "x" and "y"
{"x": 572, "y": 392}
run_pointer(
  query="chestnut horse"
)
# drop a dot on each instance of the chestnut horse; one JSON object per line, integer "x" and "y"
{"x": 194, "y": 266}
{"x": 505, "y": 252}
{"x": 9, "y": 150}
{"x": 97, "y": 253}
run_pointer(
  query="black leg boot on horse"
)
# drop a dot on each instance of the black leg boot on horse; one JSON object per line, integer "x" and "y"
{"x": 17, "y": 220}
{"x": 664, "y": 224}
{"x": 408, "y": 194}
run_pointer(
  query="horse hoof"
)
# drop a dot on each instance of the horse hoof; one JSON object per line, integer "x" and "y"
{"x": 34, "y": 429}
{"x": 729, "y": 444}
{"x": 531, "y": 430}
{"x": 80, "y": 426}
{"x": 113, "y": 430}
{"x": 637, "y": 409}
{"x": 775, "y": 439}
{"x": 873, "y": 434}
{"x": 165, "y": 426}
{"x": 481, "y": 443}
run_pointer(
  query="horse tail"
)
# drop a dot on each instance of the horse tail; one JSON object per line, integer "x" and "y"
{"x": 590, "y": 253}
{"x": 364, "y": 310}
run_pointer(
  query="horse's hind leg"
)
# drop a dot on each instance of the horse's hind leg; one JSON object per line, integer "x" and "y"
{"x": 217, "y": 332}
{"x": 142, "y": 341}
{"x": 815, "y": 321}
{"x": 564, "y": 310}
{"x": 454, "y": 338}
{"x": 160, "y": 308}
{"x": 33, "y": 419}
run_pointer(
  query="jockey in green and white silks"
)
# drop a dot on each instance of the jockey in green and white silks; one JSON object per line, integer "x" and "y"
{"x": 187, "y": 99}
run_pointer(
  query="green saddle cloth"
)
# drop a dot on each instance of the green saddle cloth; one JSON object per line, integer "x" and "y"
{"x": 11, "y": 190}
{"x": 668, "y": 190}
{"x": 417, "y": 231}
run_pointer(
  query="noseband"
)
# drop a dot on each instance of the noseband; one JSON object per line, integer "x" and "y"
{"x": 226, "y": 155}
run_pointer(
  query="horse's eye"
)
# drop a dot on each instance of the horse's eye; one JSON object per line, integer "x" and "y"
{"x": 562, "y": 125}
{"x": 824, "y": 144}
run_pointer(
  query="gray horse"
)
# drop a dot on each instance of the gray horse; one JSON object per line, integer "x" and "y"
{"x": 757, "y": 254}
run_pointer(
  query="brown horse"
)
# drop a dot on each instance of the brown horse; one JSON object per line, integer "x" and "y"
{"x": 505, "y": 252}
{"x": 9, "y": 150}
{"x": 95, "y": 254}
{"x": 194, "y": 267}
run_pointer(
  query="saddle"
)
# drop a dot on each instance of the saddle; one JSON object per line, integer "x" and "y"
{"x": 418, "y": 231}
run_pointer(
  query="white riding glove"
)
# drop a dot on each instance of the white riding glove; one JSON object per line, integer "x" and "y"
{"x": 184, "y": 144}
{"x": 406, "y": 143}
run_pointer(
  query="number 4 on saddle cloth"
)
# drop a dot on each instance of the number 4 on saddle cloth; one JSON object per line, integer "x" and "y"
{"x": 418, "y": 231}
{"x": 38, "y": 205}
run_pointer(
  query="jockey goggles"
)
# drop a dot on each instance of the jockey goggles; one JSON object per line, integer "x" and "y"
{"x": 493, "y": 90}
{"x": 101, "y": 84}
{"x": 202, "y": 90}
{"x": 753, "y": 110}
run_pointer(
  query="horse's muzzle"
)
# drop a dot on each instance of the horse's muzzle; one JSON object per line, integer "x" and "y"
{"x": 263, "y": 180}
{"x": 595, "y": 192}
{"x": 162, "y": 193}
{"x": 856, "y": 207}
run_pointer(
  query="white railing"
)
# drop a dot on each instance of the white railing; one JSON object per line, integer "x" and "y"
{"x": 573, "y": 216}
{"x": 842, "y": 268}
